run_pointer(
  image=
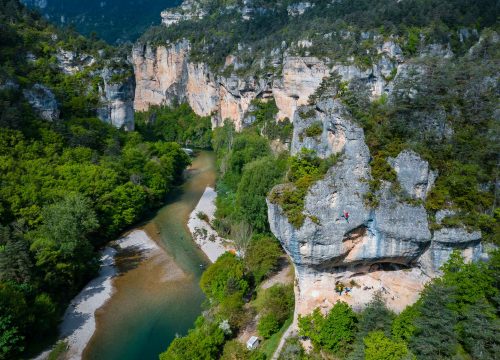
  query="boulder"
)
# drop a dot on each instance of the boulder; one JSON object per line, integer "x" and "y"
{"x": 444, "y": 242}
{"x": 43, "y": 102}
{"x": 414, "y": 174}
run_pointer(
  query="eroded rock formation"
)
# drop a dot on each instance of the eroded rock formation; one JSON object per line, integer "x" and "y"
{"x": 117, "y": 100}
{"x": 165, "y": 74}
{"x": 396, "y": 231}
{"x": 43, "y": 102}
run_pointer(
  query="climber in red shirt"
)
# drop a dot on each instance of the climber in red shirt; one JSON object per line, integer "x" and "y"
{"x": 346, "y": 216}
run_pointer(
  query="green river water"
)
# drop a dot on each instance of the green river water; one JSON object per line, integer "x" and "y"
{"x": 158, "y": 297}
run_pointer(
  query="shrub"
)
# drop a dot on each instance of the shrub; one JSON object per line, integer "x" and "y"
{"x": 202, "y": 216}
{"x": 313, "y": 130}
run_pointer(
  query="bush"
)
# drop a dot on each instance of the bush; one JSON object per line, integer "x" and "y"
{"x": 313, "y": 130}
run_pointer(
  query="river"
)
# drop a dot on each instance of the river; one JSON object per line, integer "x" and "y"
{"x": 157, "y": 298}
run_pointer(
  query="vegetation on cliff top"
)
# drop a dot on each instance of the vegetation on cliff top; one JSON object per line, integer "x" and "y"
{"x": 338, "y": 30}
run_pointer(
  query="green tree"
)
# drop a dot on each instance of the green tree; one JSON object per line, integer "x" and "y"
{"x": 434, "y": 336}
{"x": 479, "y": 329}
{"x": 62, "y": 250}
{"x": 403, "y": 325}
{"x": 380, "y": 347}
{"x": 262, "y": 256}
{"x": 256, "y": 181}
{"x": 202, "y": 343}
{"x": 268, "y": 325}
{"x": 275, "y": 305}
{"x": 224, "y": 277}
{"x": 335, "y": 331}
{"x": 15, "y": 261}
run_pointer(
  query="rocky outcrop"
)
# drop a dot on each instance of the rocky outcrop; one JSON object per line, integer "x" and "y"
{"x": 298, "y": 9}
{"x": 189, "y": 10}
{"x": 117, "y": 100}
{"x": 395, "y": 231}
{"x": 70, "y": 62}
{"x": 300, "y": 78}
{"x": 165, "y": 74}
{"x": 448, "y": 239}
{"x": 414, "y": 174}
{"x": 43, "y": 102}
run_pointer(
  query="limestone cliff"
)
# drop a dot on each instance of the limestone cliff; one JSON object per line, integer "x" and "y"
{"x": 396, "y": 231}
{"x": 165, "y": 74}
{"x": 117, "y": 100}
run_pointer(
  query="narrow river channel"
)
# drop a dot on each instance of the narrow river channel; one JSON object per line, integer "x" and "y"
{"x": 156, "y": 298}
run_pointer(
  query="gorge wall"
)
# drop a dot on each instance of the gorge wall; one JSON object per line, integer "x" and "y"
{"x": 165, "y": 73}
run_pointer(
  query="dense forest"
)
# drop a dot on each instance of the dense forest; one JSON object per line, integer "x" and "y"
{"x": 67, "y": 186}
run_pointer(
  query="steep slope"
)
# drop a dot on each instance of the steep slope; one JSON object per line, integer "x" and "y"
{"x": 62, "y": 74}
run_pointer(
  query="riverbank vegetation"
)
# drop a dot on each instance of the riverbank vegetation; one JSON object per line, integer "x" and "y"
{"x": 236, "y": 303}
{"x": 67, "y": 185}
{"x": 455, "y": 317}
{"x": 175, "y": 124}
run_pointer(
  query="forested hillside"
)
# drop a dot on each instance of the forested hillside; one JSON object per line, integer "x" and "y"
{"x": 336, "y": 29}
{"x": 68, "y": 183}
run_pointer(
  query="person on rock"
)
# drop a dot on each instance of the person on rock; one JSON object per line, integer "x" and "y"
{"x": 345, "y": 215}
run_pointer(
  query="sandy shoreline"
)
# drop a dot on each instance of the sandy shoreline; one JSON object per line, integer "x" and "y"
{"x": 202, "y": 232}
{"x": 79, "y": 324}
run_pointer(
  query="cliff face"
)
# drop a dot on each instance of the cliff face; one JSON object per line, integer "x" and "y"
{"x": 117, "y": 100}
{"x": 395, "y": 232}
{"x": 165, "y": 74}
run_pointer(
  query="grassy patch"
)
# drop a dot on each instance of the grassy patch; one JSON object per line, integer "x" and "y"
{"x": 59, "y": 351}
{"x": 270, "y": 345}
{"x": 313, "y": 130}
